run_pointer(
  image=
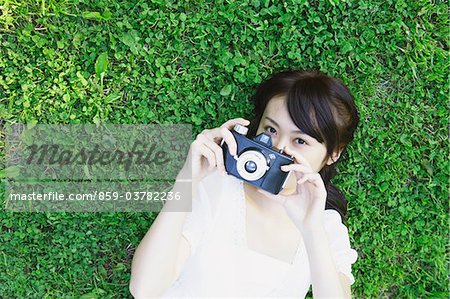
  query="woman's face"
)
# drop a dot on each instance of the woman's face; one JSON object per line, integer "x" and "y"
{"x": 277, "y": 122}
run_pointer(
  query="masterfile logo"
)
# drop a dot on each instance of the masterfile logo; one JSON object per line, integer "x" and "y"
{"x": 94, "y": 167}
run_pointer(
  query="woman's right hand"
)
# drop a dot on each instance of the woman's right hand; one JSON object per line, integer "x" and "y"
{"x": 206, "y": 154}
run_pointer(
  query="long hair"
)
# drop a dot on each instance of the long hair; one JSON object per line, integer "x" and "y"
{"x": 323, "y": 108}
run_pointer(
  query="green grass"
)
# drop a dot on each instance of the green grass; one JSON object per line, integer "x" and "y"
{"x": 196, "y": 62}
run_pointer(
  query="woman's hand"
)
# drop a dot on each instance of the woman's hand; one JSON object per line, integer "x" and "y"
{"x": 305, "y": 208}
{"x": 205, "y": 153}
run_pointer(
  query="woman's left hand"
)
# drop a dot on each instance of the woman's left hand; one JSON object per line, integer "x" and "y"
{"x": 305, "y": 208}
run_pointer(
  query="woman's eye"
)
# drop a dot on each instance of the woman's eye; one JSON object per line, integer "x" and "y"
{"x": 270, "y": 130}
{"x": 300, "y": 141}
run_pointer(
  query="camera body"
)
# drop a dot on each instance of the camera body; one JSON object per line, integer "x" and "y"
{"x": 258, "y": 162}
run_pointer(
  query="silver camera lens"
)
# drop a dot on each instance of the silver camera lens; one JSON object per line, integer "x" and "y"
{"x": 251, "y": 165}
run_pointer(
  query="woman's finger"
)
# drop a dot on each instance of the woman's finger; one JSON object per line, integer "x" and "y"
{"x": 235, "y": 121}
{"x": 297, "y": 156}
{"x": 229, "y": 125}
{"x": 202, "y": 150}
{"x": 230, "y": 140}
{"x": 222, "y": 133}
{"x": 314, "y": 178}
{"x": 215, "y": 149}
{"x": 212, "y": 134}
{"x": 296, "y": 167}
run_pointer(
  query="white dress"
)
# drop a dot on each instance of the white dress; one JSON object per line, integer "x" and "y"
{"x": 221, "y": 265}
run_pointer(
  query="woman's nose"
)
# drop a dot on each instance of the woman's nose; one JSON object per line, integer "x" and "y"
{"x": 280, "y": 145}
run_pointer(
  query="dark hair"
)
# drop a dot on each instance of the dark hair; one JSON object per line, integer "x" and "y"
{"x": 323, "y": 108}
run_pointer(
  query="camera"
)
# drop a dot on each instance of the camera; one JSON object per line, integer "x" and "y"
{"x": 258, "y": 162}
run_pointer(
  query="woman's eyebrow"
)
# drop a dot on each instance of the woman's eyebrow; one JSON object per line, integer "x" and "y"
{"x": 276, "y": 124}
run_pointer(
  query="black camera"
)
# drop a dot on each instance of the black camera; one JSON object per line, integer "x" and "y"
{"x": 258, "y": 162}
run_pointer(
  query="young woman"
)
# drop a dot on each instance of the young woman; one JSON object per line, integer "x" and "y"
{"x": 240, "y": 240}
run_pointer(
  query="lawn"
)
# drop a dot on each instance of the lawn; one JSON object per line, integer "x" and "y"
{"x": 198, "y": 62}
